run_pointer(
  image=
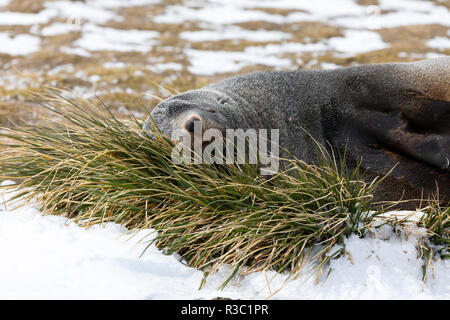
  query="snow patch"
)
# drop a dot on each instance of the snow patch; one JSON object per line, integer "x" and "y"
{"x": 76, "y": 51}
{"x": 204, "y": 62}
{"x": 97, "y": 38}
{"x": 114, "y": 4}
{"x": 441, "y": 43}
{"x": 49, "y": 257}
{"x": 356, "y": 41}
{"x": 161, "y": 67}
{"x": 58, "y": 28}
{"x": 21, "y": 44}
{"x": 26, "y": 19}
{"x": 232, "y": 33}
{"x": 78, "y": 11}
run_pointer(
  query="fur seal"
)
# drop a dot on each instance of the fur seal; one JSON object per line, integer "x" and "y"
{"x": 394, "y": 114}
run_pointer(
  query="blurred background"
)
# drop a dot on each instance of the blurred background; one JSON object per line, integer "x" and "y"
{"x": 127, "y": 51}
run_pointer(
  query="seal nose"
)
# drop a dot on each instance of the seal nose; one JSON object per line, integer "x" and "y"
{"x": 191, "y": 123}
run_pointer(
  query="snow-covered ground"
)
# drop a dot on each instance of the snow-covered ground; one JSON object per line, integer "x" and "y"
{"x": 49, "y": 257}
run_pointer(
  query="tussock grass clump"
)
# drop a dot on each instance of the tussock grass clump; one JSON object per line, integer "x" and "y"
{"x": 436, "y": 221}
{"x": 89, "y": 166}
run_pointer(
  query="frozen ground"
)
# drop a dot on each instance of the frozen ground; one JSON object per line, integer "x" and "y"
{"x": 49, "y": 257}
{"x": 118, "y": 50}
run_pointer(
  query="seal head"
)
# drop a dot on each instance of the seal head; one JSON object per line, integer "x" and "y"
{"x": 211, "y": 108}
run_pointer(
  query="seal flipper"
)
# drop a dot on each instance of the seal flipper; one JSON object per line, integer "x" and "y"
{"x": 418, "y": 128}
{"x": 423, "y": 133}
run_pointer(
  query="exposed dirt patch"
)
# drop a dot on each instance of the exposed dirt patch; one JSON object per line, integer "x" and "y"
{"x": 367, "y": 2}
{"x": 14, "y": 30}
{"x": 29, "y": 6}
{"x": 278, "y": 11}
{"x": 57, "y": 41}
{"x": 444, "y": 3}
{"x": 410, "y": 36}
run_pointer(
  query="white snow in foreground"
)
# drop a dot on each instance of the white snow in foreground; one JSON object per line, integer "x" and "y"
{"x": 49, "y": 257}
{"x": 21, "y": 44}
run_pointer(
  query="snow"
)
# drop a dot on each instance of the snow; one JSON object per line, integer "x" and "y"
{"x": 75, "y": 51}
{"x": 97, "y": 38}
{"x": 329, "y": 66}
{"x": 231, "y": 33}
{"x": 21, "y": 44}
{"x": 215, "y": 15}
{"x": 50, "y": 257}
{"x": 114, "y": 65}
{"x": 96, "y": 11}
{"x": 78, "y": 11}
{"x": 223, "y": 11}
{"x": 19, "y": 18}
{"x": 205, "y": 62}
{"x": 347, "y": 14}
{"x": 115, "y": 4}
{"x": 161, "y": 67}
{"x": 59, "y": 28}
{"x": 439, "y": 42}
{"x": 355, "y": 41}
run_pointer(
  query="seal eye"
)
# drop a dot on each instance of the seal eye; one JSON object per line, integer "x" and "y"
{"x": 210, "y": 110}
{"x": 189, "y": 125}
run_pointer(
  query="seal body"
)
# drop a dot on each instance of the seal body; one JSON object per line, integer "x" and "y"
{"x": 386, "y": 115}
